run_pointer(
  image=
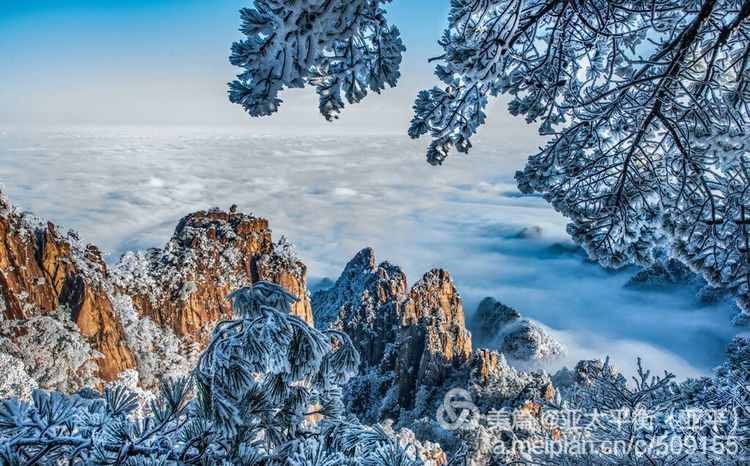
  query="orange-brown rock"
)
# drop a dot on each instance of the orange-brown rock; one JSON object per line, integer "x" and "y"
{"x": 434, "y": 338}
{"x": 549, "y": 392}
{"x": 184, "y": 285}
{"x": 485, "y": 362}
{"x": 41, "y": 269}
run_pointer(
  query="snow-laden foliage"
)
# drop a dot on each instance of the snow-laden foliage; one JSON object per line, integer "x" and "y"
{"x": 286, "y": 251}
{"x": 596, "y": 416}
{"x": 130, "y": 380}
{"x": 343, "y": 48}
{"x": 645, "y": 105}
{"x": 158, "y": 352}
{"x": 674, "y": 423}
{"x": 15, "y": 382}
{"x": 54, "y": 353}
{"x": 266, "y": 391}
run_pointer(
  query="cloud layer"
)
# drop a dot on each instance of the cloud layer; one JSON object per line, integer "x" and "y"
{"x": 125, "y": 188}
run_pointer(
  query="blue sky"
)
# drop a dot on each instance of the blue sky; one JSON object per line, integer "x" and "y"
{"x": 165, "y": 62}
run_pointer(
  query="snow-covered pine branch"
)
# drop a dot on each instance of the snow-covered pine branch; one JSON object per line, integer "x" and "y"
{"x": 645, "y": 105}
{"x": 344, "y": 48}
{"x": 267, "y": 390}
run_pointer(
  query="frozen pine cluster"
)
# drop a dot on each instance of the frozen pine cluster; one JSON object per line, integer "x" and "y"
{"x": 267, "y": 390}
{"x": 344, "y": 48}
{"x": 644, "y": 105}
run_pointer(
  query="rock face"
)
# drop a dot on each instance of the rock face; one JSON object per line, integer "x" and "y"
{"x": 183, "y": 286}
{"x": 521, "y": 340}
{"x": 490, "y": 317}
{"x": 414, "y": 344}
{"x": 418, "y": 335}
{"x": 367, "y": 303}
{"x": 40, "y": 269}
{"x": 433, "y": 339}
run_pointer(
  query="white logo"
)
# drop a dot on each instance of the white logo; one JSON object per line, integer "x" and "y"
{"x": 457, "y": 399}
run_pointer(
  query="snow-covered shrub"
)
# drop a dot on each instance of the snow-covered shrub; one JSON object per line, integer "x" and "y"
{"x": 52, "y": 349}
{"x": 286, "y": 250}
{"x": 158, "y": 352}
{"x": 268, "y": 392}
{"x": 15, "y": 381}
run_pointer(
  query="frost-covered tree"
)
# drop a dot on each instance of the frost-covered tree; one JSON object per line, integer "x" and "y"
{"x": 648, "y": 420}
{"x": 16, "y": 382}
{"x": 159, "y": 353}
{"x": 52, "y": 351}
{"x": 266, "y": 391}
{"x": 341, "y": 47}
{"x": 644, "y": 103}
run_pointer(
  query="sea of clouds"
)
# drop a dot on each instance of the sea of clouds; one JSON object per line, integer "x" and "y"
{"x": 126, "y": 188}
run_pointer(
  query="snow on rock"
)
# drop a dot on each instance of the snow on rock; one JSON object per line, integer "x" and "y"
{"x": 521, "y": 340}
{"x": 490, "y": 317}
{"x": 52, "y": 350}
{"x": 5, "y": 205}
{"x": 492, "y": 385}
{"x": 137, "y": 314}
{"x": 41, "y": 269}
{"x": 418, "y": 334}
{"x": 183, "y": 286}
{"x": 434, "y": 339}
{"x": 365, "y": 302}
{"x": 414, "y": 346}
{"x": 159, "y": 353}
{"x": 430, "y": 453}
{"x": 526, "y": 341}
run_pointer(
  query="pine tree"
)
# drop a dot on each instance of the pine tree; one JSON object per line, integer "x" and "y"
{"x": 266, "y": 391}
{"x": 344, "y": 48}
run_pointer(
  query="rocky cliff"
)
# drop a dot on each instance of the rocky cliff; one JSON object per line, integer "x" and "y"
{"x": 523, "y": 341}
{"x": 434, "y": 340}
{"x": 212, "y": 253}
{"x": 40, "y": 269}
{"x": 414, "y": 342}
{"x": 179, "y": 287}
{"x": 367, "y": 303}
{"x": 418, "y": 334}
